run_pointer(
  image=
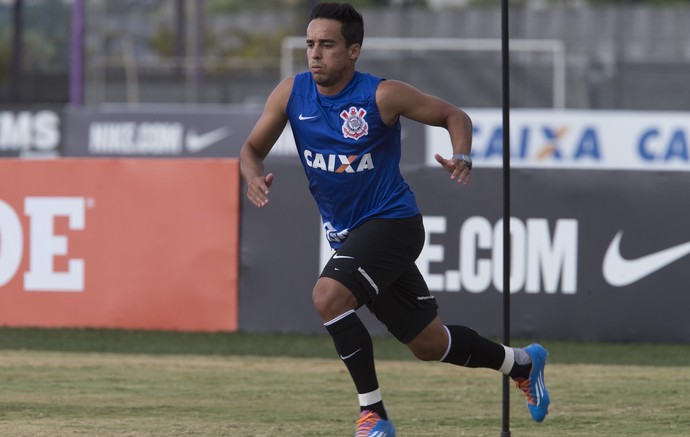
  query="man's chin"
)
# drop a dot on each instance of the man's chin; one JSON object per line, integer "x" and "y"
{"x": 321, "y": 80}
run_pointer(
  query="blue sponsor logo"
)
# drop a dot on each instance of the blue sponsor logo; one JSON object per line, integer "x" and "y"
{"x": 655, "y": 145}
{"x": 545, "y": 143}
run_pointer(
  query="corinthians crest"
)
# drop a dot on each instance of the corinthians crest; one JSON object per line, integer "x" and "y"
{"x": 354, "y": 126}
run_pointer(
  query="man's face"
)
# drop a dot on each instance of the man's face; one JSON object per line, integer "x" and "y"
{"x": 330, "y": 60}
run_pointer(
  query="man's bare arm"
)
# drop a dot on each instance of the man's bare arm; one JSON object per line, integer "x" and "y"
{"x": 396, "y": 99}
{"x": 265, "y": 133}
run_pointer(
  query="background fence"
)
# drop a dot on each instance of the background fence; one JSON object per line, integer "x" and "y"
{"x": 618, "y": 55}
{"x": 600, "y": 205}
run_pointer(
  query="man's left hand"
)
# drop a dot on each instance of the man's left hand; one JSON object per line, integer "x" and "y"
{"x": 458, "y": 169}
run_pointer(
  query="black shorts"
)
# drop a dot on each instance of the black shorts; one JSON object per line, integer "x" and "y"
{"x": 377, "y": 264}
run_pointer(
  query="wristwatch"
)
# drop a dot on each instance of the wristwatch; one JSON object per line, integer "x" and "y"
{"x": 464, "y": 158}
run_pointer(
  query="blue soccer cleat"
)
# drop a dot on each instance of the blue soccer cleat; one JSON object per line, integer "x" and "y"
{"x": 534, "y": 388}
{"x": 370, "y": 424}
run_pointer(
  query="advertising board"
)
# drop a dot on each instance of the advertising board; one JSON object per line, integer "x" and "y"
{"x": 136, "y": 244}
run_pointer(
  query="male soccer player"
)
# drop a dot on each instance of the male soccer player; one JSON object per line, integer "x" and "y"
{"x": 346, "y": 126}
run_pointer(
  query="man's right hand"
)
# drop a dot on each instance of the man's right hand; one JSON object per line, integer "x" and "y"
{"x": 257, "y": 190}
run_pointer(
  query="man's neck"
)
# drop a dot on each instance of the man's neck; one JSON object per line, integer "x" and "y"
{"x": 336, "y": 88}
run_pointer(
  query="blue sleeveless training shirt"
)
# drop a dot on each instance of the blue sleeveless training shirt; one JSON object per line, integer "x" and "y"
{"x": 350, "y": 156}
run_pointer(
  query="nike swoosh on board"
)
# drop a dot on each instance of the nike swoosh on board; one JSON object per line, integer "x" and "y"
{"x": 198, "y": 142}
{"x": 620, "y": 272}
{"x": 336, "y": 256}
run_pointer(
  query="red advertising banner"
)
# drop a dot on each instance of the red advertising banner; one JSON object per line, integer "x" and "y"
{"x": 120, "y": 243}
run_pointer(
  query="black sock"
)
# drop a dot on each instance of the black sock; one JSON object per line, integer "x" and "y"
{"x": 376, "y": 407}
{"x": 469, "y": 349}
{"x": 353, "y": 344}
{"x": 520, "y": 371}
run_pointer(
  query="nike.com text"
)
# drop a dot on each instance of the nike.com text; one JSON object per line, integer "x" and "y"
{"x": 542, "y": 261}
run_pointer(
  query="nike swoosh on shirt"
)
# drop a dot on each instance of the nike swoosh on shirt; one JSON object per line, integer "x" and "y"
{"x": 197, "y": 142}
{"x": 304, "y": 117}
{"x": 336, "y": 256}
{"x": 620, "y": 272}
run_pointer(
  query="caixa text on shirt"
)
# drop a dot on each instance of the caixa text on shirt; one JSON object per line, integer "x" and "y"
{"x": 338, "y": 163}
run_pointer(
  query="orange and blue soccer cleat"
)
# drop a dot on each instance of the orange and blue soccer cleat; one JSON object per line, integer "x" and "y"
{"x": 534, "y": 388}
{"x": 370, "y": 424}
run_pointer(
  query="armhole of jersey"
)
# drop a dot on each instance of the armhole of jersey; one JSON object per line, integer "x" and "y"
{"x": 292, "y": 94}
{"x": 378, "y": 110}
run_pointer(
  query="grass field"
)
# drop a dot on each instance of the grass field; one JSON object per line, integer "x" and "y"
{"x": 120, "y": 383}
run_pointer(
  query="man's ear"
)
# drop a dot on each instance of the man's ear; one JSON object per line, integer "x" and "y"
{"x": 354, "y": 50}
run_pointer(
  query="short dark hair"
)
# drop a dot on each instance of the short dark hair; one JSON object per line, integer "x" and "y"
{"x": 351, "y": 20}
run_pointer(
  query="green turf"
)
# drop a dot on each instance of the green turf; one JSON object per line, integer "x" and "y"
{"x": 308, "y": 346}
{"x": 88, "y": 382}
{"x": 100, "y": 394}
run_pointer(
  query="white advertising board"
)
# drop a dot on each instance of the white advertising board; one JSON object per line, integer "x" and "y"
{"x": 576, "y": 139}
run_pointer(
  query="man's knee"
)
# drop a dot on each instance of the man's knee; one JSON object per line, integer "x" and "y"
{"x": 332, "y": 299}
{"x": 432, "y": 351}
{"x": 432, "y": 343}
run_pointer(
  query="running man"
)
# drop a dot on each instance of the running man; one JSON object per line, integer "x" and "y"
{"x": 346, "y": 126}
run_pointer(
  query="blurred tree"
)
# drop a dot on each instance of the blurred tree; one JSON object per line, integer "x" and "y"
{"x": 42, "y": 49}
{"x": 4, "y": 55}
{"x": 163, "y": 41}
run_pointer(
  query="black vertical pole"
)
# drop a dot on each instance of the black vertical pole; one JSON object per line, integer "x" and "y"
{"x": 198, "y": 48}
{"x": 180, "y": 48}
{"x": 17, "y": 51}
{"x": 76, "y": 65}
{"x": 505, "y": 61}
